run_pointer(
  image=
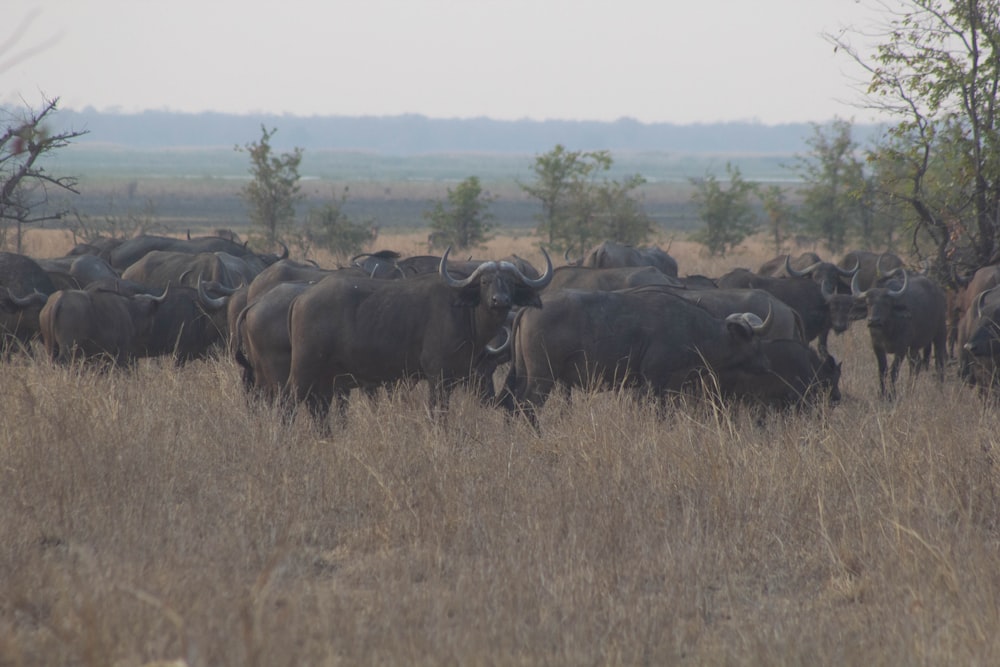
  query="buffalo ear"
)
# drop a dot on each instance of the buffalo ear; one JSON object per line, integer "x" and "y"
{"x": 527, "y": 298}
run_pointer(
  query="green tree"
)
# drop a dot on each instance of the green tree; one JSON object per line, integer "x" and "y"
{"x": 26, "y": 187}
{"x": 938, "y": 73}
{"x": 833, "y": 195}
{"x": 463, "y": 220}
{"x": 779, "y": 215}
{"x": 727, "y": 212}
{"x": 273, "y": 192}
{"x": 328, "y": 227}
{"x": 581, "y": 205}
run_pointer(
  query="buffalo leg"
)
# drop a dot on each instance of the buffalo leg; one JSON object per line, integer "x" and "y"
{"x": 880, "y": 358}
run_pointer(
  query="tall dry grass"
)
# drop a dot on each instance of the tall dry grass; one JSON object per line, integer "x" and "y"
{"x": 154, "y": 514}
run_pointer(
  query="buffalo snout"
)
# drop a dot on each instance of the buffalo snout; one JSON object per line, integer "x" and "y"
{"x": 500, "y": 301}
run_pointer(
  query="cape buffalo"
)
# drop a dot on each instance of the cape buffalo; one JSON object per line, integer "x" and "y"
{"x": 643, "y": 337}
{"x": 797, "y": 377}
{"x": 609, "y": 254}
{"x": 960, "y": 315}
{"x": 19, "y": 318}
{"x": 132, "y": 250}
{"x": 95, "y": 324}
{"x": 159, "y": 268}
{"x": 980, "y": 351}
{"x": 188, "y": 324}
{"x": 802, "y": 294}
{"x": 786, "y": 322}
{"x": 905, "y": 318}
{"x": 589, "y": 278}
{"x": 362, "y": 332}
{"x": 262, "y": 345}
{"x": 776, "y": 267}
{"x": 870, "y": 266}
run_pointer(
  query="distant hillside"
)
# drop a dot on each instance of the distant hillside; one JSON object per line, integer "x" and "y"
{"x": 415, "y": 134}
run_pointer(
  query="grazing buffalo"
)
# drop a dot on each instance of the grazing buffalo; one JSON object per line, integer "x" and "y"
{"x": 644, "y": 337}
{"x": 98, "y": 324}
{"x": 363, "y": 332}
{"x": 132, "y": 250}
{"x": 189, "y": 324}
{"x": 80, "y": 269}
{"x": 588, "y": 278}
{"x": 797, "y": 377}
{"x": 980, "y": 352}
{"x": 802, "y": 294}
{"x": 785, "y": 321}
{"x": 905, "y": 318}
{"x": 608, "y": 255}
{"x": 160, "y": 268}
{"x": 776, "y": 267}
{"x": 262, "y": 345}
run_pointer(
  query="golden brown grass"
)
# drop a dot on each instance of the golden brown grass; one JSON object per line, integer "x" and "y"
{"x": 154, "y": 515}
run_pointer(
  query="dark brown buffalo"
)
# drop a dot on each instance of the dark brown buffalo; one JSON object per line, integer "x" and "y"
{"x": 797, "y": 377}
{"x": 870, "y": 265}
{"x": 609, "y": 254}
{"x": 160, "y": 268}
{"x": 189, "y": 324}
{"x": 95, "y": 324}
{"x": 264, "y": 347}
{"x": 646, "y": 337}
{"x": 589, "y": 278}
{"x": 24, "y": 278}
{"x": 785, "y": 321}
{"x": 960, "y": 317}
{"x": 802, "y": 294}
{"x": 365, "y": 332}
{"x": 390, "y": 265}
{"x": 285, "y": 271}
{"x": 132, "y": 250}
{"x": 979, "y": 355}
{"x": 832, "y": 278}
{"x": 906, "y": 317}
{"x": 776, "y": 267}
{"x": 81, "y": 269}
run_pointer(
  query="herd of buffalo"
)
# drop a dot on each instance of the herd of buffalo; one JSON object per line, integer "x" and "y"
{"x": 618, "y": 317}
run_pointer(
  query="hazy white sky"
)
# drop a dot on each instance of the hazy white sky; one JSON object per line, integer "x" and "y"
{"x": 680, "y": 61}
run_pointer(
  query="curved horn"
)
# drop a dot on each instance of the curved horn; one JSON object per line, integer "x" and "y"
{"x": 36, "y": 298}
{"x": 537, "y": 283}
{"x": 180, "y": 281}
{"x": 209, "y": 302}
{"x": 981, "y": 299}
{"x": 157, "y": 299}
{"x": 856, "y": 290}
{"x": 503, "y": 346}
{"x": 878, "y": 267}
{"x": 762, "y": 328}
{"x": 455, "y": 282}
{"x": 825, "y": 289}
{"x": 899, "y": 292}
{"x": 794, "y": 273}
{"x": 284, "y": 248}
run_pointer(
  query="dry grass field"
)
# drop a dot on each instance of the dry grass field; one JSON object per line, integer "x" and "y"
{"x": 156, "y": 515}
